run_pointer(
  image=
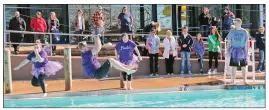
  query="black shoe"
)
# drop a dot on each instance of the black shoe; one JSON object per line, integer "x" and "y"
{"x": 201, "y": 72}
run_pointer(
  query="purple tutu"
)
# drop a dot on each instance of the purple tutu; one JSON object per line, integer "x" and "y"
{"x": 238, "y": 54}
{"x": 49, "y": 69}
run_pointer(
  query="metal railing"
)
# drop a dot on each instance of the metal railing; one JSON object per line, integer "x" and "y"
{"x": 91, "y": 36}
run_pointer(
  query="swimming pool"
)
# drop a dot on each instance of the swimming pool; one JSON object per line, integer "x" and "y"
{"x": 212, "y": 98}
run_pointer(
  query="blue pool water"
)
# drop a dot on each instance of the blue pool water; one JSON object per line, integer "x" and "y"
{"x": 215, "y": 98}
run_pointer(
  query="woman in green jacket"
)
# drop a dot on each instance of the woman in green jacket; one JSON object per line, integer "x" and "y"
{"x": 214, "y": 48}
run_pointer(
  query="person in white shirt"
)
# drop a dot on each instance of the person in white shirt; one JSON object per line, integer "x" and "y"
{"x": 170, "y": 52}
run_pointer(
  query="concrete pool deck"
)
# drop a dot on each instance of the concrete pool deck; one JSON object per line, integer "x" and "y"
{"x": 140, "y": 83}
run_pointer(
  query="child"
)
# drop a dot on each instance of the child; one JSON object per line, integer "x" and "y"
{"x": 170, "y": 52}
{"x": 92, "y": 67}
{"x": 214, "y": 48}
{"x": 125, "y": 54}
{"x": 199, "y": 48}
{"x": 41, "y": 68}
{"x": 185, "y": 43}
{"x": 153, "y": 44}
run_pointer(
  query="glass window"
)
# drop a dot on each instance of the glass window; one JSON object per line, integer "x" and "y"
{"x": 147, "y": 14}
{"x": 164, "y": 16}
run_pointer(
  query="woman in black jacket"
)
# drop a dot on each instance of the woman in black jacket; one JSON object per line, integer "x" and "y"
{"x": 205, "y": 20}
{"x": 16, "y": 24}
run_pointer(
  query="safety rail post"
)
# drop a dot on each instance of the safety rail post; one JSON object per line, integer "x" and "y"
{"x": 51, "y": 45}
{"x": 67, "y": 68}
{"x": 253, "y": 60}
{"x": 7, "y": 72}
{"x": 225, "y": 63}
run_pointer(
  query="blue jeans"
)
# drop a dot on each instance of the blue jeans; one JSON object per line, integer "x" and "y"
{"x": 98, "y": 30}
{"x": 200, "y": 60}
{"x": 185, "y": 56}
{"x": 204, "y": 30}
{"x": 261, "y": 63}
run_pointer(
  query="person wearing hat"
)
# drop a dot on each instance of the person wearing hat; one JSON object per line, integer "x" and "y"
{"x": 38, "y": 24}
{"x": 125, "y": 20}
{"x": 98, "y": 20}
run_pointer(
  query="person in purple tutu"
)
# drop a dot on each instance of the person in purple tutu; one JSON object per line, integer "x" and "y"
{"x": 125, "y": 54}
{"x": 238, "y": 49}
{"x": 91, "y": 66}
{"x": 41, "y": 68}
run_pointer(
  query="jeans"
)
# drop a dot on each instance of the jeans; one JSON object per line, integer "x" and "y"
{"x": 225, "y": 29}
{"x": 215, "y": 56}
{"x": 261, "y": 63}
{"x": 185, "y": 56}
{"x": 200, "y": 60}
{"x": 169, "y": 63}
{"x": 77, "y": 38}
{"x": 153, "y": 58}
{"x": 98, "y": 30}
{"x": 204, "y": 30}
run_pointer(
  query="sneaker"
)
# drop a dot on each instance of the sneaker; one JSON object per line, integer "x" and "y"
{"x": 201, "y": 72}
{"x": 182, "y": 73}
{"x": 53, "y": 54}
{"x": 209, "y": 71}
{"x": 151, "y": 75}
{"x": 190, "y": 73}
{"x": 168, "y": 74}
{"x": 156, "y": 74}
{"x": 172, "y": 74}
{"x": 258, "y": 71}
{"x": 215, "y": 71}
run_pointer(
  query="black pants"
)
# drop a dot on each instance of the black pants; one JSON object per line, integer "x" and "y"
{"x": 102, "y": 71}
{"x": 16, "y": 47}
{"x": 169, "y": 62}
{"x": 153, "y": 58}
{"x": 215, "y": 56}
{"x": 39, "y": 82}
{"x": 126, "y": 76}
{"x": 43, "y": 38}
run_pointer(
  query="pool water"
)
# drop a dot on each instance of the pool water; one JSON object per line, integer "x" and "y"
{"x": 214, "y": 98}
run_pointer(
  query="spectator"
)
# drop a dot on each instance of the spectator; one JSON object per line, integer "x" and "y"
{"x": 260, "y": 44}
{"x": 79, "y": 24}
{"x": 53, "y": 27}
{"x": 153, "y": 44}
{"x": 125, "y": 20}
{"x": 214, "y": 48}
{"x": 227, "y": 20}
{"x": 170, "y": 52}
{"x": 17, "y": 24}
{"x": 199, "y": 49}
{"x": 98, "y": 22}
{"x": 205, "y": 21}
{"x": 147, "y": 29}
{"x": 185, "y": 43}
{"x": 38, "y": 24}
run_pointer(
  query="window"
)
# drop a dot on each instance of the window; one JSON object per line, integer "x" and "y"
{"x": 164, "y": 16}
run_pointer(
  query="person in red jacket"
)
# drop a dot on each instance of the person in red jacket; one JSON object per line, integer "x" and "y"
{"x": 38, "y": 24}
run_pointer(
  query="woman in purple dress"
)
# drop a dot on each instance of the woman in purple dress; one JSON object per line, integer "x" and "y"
{"x": 92, "y": 67}
{"x": 125, "y": 54}
{"x": 41, "y": 68}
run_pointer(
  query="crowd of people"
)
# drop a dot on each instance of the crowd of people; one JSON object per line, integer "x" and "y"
{"x": 128, "y": 53}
